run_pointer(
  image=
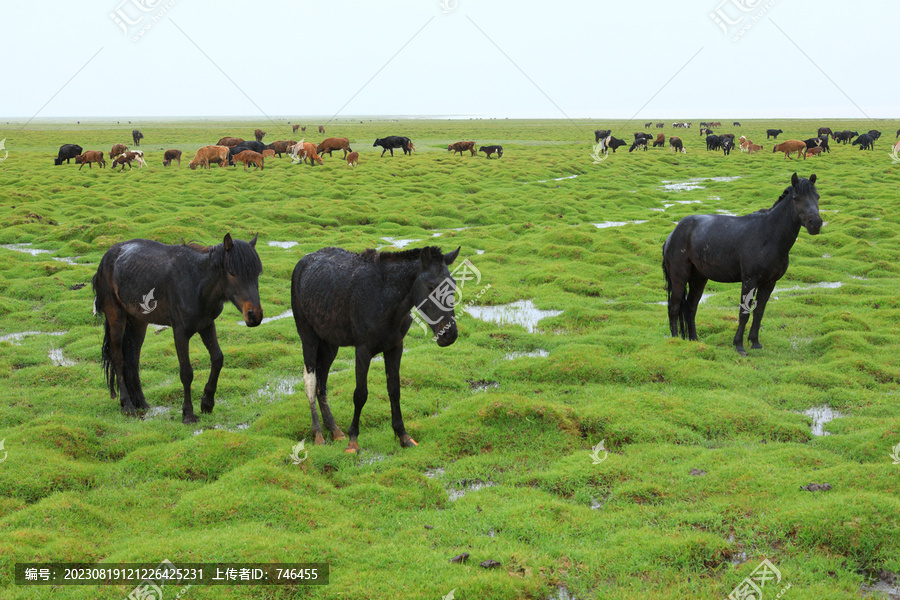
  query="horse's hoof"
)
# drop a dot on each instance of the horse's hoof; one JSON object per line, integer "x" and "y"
{"x": 338, "y": 435}
{"x": 352, "y": 448}
{"x": 756, "y": 346}
{"x": 188, "y": 419}
{"x": 320, "y": 441}
{"x": 407, "y": 442}
{"x": 740, "y": 350}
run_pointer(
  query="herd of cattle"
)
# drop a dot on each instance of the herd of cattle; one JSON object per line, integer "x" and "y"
{"x": 725, "y": 142}
{"x": 230, "y": 149}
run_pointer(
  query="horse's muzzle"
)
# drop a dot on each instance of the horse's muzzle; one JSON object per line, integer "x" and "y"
{"x": 814, "y": 226}
{"x": 447, "y": 334}
{"x": 253, "y": 316}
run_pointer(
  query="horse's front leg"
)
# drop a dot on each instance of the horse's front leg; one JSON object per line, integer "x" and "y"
{"x": 762, "y": 297}
{"x": 360, "y": 395}
{"x": 208, "y": 335}
{"x": 392, "y": 372}
{"x": 748, "y": 289}
{"x": 182, "y": 348}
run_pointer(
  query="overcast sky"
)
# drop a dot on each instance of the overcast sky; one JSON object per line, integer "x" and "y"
{"x": 695, "y": 59}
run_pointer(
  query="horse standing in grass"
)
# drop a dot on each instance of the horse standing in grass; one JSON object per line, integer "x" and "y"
{"x": 752, "y": 249}
{"x": 340, "y": 298}
{"x": 140, "y": 282}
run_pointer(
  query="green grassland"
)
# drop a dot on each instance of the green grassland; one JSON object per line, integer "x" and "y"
{"x": 81, "y": 482}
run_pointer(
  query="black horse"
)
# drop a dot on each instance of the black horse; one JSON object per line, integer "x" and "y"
{"x": 340, "y": 298}
{"x": 141, "y": 281}
{"x": 752, "y": 249}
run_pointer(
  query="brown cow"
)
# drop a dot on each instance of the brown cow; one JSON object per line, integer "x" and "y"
{"x": 303, "y": 128}
{"x": 305, "y": 150}
{"x": 753, "y": 148}
{"x": 281, "y": 146}
{"x": 210, "y": 154}
{"x": 249, "y": 157}
{"x": 296, "y": 127}
{"x": 260, "y": 134}
{"x": 117, "y": 150}
{"x": 790, "y": 147}
{"x": 90, "y": 157}
{"x": 268, "y": 153}
{"x": 125, "y": 159}
{"x": 815, "y": 151}
{"x": 331, "y": 144}
{"x": 171, "y": 155}
{"x": 321, "y": 129}
{"x": 229, "y": 141}
{"x": 353, "y": 158}
{"x": 660, "y": 141}
{"x": 461, "y": 147}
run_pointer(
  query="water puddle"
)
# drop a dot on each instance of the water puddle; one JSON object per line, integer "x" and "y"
{"x": 285, "y": 245}
{"x": 554, "y": 179}
{"x": 521, "y": 312}
{"x": 396, "y": 243}
{"x": 828, "y": 285}
{"x": 58, "y": 360}
{"x": 479, "y": 252}
{"x": 156, "y": 412}
{"x": 236, "y": 428}
{"x": 16, "y": 338}
{"x": 284, "y": 315}
{"x": 887, "y": 585}
{"x": 473, "y": 486}
{"x": 26, "y": 248}
{"x": 369, "y": 458}
{"x": 606, "y": 224}
{"x": 692, "y": 184}
{"x": 562, "y": 593}
{"x": 436, "y": 472}
{"x": 275, "y": 390}
{"x": 482, "y": 385}
{"x": 534, "y": 353}
{"x": 821, "y": 415}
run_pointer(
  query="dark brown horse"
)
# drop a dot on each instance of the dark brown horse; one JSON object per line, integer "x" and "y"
{"x": 340, "y": 298}
{"x": 752, "y": 249}
{"x": 140, "y": 282}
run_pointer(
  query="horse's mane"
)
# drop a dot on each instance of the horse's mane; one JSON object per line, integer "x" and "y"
{"x": 804, "y": 186}
{"x": 196, "y": 247}
{"x": 375, "y": 257}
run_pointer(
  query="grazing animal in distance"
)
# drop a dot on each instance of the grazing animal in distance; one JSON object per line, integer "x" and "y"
{"x": 790, "y": 147}
{"x": 140, "y": 282}
{"x": 353, "y": 158}
{"x": 676, "y": 145}
{"x": 752, "y": 249}
{"x": 660, "y": 125}
{"x": 713, "y": 142}
{"x": 773, "y": 133}
{"x": 281, "y": 147}
{"x": 296, "y": 127}
{"x": 643, "y": 135}
{"x": 865, "y": 142}
{"x": 660, "y": 141}
{"x": 753, "y": 148}
{"x": 116, "y": 150}
{"x": 340, "y": 298}
{"x": 304, "y": 151}
{"x": 736, "y": 124}
{"x": 329, "y": 145}
{"x": 171, "y": 155}
{"x": 844, "y": 136}
{"x": 874, "y": 133}
{"x": 394, "y": 141}
{"x": 599, "y": 134}
{"x": 268, "y": 153}
{"x": 462, "y": 147}
{"x": 229, "y": 141}
{"x": 639, "y": 144}
{"x": 648, "y": 125}
{"x": 823, "y": 131}
{"x": 259, "y": 134}
{"x": 489, "y": 150}
{"x": 727, "y": 146}
{"x": 814, "y": 151}
{"x": 249, "y": 157}
{"x": 210, "y": 154}
{"x": 321, "y": 129}
{"x": 137, "y": 136}
{"x": 66, "y": 153}
{"x": 90, "y": 157}
{"x": 127, "y": 159}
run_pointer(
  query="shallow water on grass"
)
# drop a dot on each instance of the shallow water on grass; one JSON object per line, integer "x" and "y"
{"x": 284, "y": 315}
{"x": 562, "y": 593}
{"x": 16, "y": 338}
{"x": 277, "y": 389}
{"x": 58, "y": 360}
{"x": 821, "y": 415}
{"x": 69, "y": 260}
{"x": 534, "y": 353}
{"x": 554, "y": 179}
{"x": 436, "y": 472}
{"x": 606, "y": 224}
{"x": 396, "y": 243}
{"x": 521, "y": 312}
{"x": 285, "y": 245}
{"x": 156, "y": 412}
{"x": 457, "y": 493}
{"x": 692, "y": 184}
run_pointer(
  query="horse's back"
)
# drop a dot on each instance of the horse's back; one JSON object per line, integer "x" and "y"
{"x": 324, "y": 289}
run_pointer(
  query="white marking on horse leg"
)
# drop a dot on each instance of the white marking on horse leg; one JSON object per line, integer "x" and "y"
{"x": 309, "y": 382}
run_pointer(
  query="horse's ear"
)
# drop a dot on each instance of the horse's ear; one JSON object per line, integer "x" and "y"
{"x": 812, "y": 178}
{"x": 229, "y": 244}
{"x": 794, "y": 180}
{"x": 449, "y": 258}
{"x": 253, "y": 241}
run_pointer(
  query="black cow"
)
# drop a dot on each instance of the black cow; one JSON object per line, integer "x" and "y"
{"x": 865, "y": 142}
{"x": 875, "y": 133}
{"x": 818, "y": 141}
{"x": 639, "y": 144}
{"x": 676, "y": 145}
{"x": 248, "y": 145}
{"x": 823, "y": 131}
{"x": 713, "y": 142}
{"x": 599, "y": 134}
{"x": 727, "y": 145}
{"x": 138, "y": 136}
{"x": 641, "y": 135}
{"x": 773, "y": 133}
{"x": 393, "y": 141}
{"x": 844, "y": 136}
{"x": 898, "y": 134}
{"x": 491, "y": 149}
{"x": 66, "y": 153}
{"x": 736, "y": 124}
{"x": 615, "y": 142}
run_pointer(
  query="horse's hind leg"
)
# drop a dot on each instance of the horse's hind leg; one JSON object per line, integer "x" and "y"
{"x": 216, "y": 360}
{"x": 182, "y": 348}
{"x": 748, "y": 289}
{"x": 327, "y": 354}
{"x": 310, "y": 384}
{"x": 392, "y": 372}
{"x": 696, "y": 284}
{"x": 360, "y": 394}
{"x": 114, "y": 353}
{"x": 762, "y": 297}
{"x": 134, "y": 339}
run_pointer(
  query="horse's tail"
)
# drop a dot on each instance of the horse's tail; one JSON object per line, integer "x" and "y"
{"x": 106, "y": 361}
{"x": 682, "y": 309}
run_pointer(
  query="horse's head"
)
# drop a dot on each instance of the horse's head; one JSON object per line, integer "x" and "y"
{"x": 806, "y": 202}
{"x": 242, "y": 270}
{"x": 434, "y": 294}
